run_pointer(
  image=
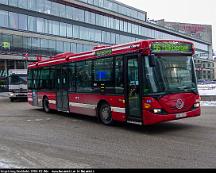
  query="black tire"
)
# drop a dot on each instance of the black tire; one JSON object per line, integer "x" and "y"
{"x": 12, "y": 99}
{"x": 46, "y": 105}
{"x": 105, "y": 114}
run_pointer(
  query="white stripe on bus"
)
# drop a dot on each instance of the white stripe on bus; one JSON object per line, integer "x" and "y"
{"x": 89, "y": 106}
{"x": 81, "y": 105}
{"x": 117, "y": 109}
{"x": 52, "y": 102}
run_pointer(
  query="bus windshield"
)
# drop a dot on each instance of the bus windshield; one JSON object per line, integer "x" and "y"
{"x": 18, "y": 79}
{"x": 171, "y": 74}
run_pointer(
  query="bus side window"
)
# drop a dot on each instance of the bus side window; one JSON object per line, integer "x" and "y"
{"x": 30, "y": 79}
{"x": 84, "y": 76}
{"x": 103, "y": 75}
{"x": 119, "y": 86}
{"x": 72, "y": 77}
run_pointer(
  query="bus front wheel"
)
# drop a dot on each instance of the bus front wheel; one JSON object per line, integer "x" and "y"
{"x": 105, "y": 114}
{"x": 46, "y": 105}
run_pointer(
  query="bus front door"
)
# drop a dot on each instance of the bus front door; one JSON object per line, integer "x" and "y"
{"x": 133, "y": 91}
{"x": 62, "y": 89}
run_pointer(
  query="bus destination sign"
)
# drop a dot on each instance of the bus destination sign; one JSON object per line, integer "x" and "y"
{"x": 103, "y": 52}
{"x": 171, "y": 47}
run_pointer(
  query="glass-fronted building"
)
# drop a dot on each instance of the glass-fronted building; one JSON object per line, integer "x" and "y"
{"x": 43, "y": 28}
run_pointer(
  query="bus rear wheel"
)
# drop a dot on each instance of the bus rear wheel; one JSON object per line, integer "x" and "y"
{"x": 46, "y": 105}
{"x": 105, "y": 114}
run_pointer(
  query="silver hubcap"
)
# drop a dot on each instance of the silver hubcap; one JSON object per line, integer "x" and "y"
{"x": 105, "y": 113}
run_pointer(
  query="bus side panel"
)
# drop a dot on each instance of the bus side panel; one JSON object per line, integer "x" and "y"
{"x": 30, "y": 99}
{"x": 87, "y": 104}
{"x": 51, "y": 97}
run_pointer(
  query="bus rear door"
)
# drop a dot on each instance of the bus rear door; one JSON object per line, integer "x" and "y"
{"x": 62, "y": 89}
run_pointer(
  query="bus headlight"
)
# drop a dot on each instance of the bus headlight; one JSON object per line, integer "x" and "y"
{"x": 11, "y": 94}
{"x": 197, "y": 105}
{"x": 157, "y": 111}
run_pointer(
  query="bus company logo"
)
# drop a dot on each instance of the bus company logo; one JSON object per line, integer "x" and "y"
{"x": 179, "y": 104}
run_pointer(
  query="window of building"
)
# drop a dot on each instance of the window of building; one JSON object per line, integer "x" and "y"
{"x": 78, "y": 14}
{"x": 79, "y": 48}
{"x": 21, "y": 65}
{"x": 62, "y": 10}
{"x": 22, "y": 4}
{"x": 52, "y": 46}
{"x": 26, "y": 44}
{"x": 17, "y": 43}
{"x": 69, "y": 12}
{"x": 32, "y": 23}
{"x": 4, "y": 2}
{"x": 23, "y": 21}
{"x": 55, "y": 9}
{"x": 13, "y": 20}
{"x": 47, "y": 6}
{"x": 63, "y": 29}
{"x": 67, "y": 47}
{"x": 13, "y": 3}
{"x": 60, "y": 46}
{"x": 69, "y": 30}
{"x": 56, "y": 28}
{"x": 32, "y": 5}
{"x": 73, "y": 47}
{"x": 3, "y": 18}
{"x": 35, "y": 45}
{"x": 40, "y": 25}
{"x": 10, "y": 64}
{"x": 76, "y": 31}
{"x": 44, "y": 47}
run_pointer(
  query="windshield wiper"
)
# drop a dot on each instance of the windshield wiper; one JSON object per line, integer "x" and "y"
{"x": 187, "y": 88}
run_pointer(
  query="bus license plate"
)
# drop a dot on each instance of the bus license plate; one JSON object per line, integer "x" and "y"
{"x": 182, "y": 115}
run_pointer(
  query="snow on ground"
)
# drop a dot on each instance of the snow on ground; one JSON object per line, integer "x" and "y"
{"x": 208, "y": 103}
{"x": 207, "y": 89}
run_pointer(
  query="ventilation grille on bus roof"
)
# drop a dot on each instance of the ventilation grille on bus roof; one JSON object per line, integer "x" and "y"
{"x": 100, "y": 47}
{"x": 62, "y": 55}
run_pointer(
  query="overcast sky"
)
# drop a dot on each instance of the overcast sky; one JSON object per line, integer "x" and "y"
{"x": 184, "y": 11}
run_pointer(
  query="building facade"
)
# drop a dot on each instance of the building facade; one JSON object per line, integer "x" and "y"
{"x": 31, "y": 29}
{"x": 204, "y": 61}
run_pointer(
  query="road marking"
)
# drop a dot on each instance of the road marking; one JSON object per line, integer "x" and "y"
{"x": 38, "y": 119}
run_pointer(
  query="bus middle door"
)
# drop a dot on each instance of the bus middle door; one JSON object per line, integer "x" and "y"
{"x": 62, "y": 89}
{"x": 133, "y": 89}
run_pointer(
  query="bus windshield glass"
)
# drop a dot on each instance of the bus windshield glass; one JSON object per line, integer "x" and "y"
{"x": 18, "y": 79}
{"x": 170, "y": 74}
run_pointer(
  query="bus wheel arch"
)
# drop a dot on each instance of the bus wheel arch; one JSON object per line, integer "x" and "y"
{"x": 45, "y": 104}
{"x": 104, "y": 112}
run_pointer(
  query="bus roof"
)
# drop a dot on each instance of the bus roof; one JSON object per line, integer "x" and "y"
{"x": 102, "y": 51}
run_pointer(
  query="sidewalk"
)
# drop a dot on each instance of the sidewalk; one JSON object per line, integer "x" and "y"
{"x": 4, "y": 94}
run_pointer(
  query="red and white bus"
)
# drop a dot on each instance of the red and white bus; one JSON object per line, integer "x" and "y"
{"x": 143, "y": 82}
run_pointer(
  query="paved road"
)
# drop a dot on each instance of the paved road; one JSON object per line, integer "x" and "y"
{"x": 30, "y": 138}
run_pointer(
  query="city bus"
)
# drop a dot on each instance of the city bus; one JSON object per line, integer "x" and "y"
{"x": 17, "y": 84}
{"x": 143, "y": 82}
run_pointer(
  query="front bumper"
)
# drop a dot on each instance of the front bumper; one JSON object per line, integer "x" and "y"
{"x": 17, "y": 95}
{"x": 151, "y": 118}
